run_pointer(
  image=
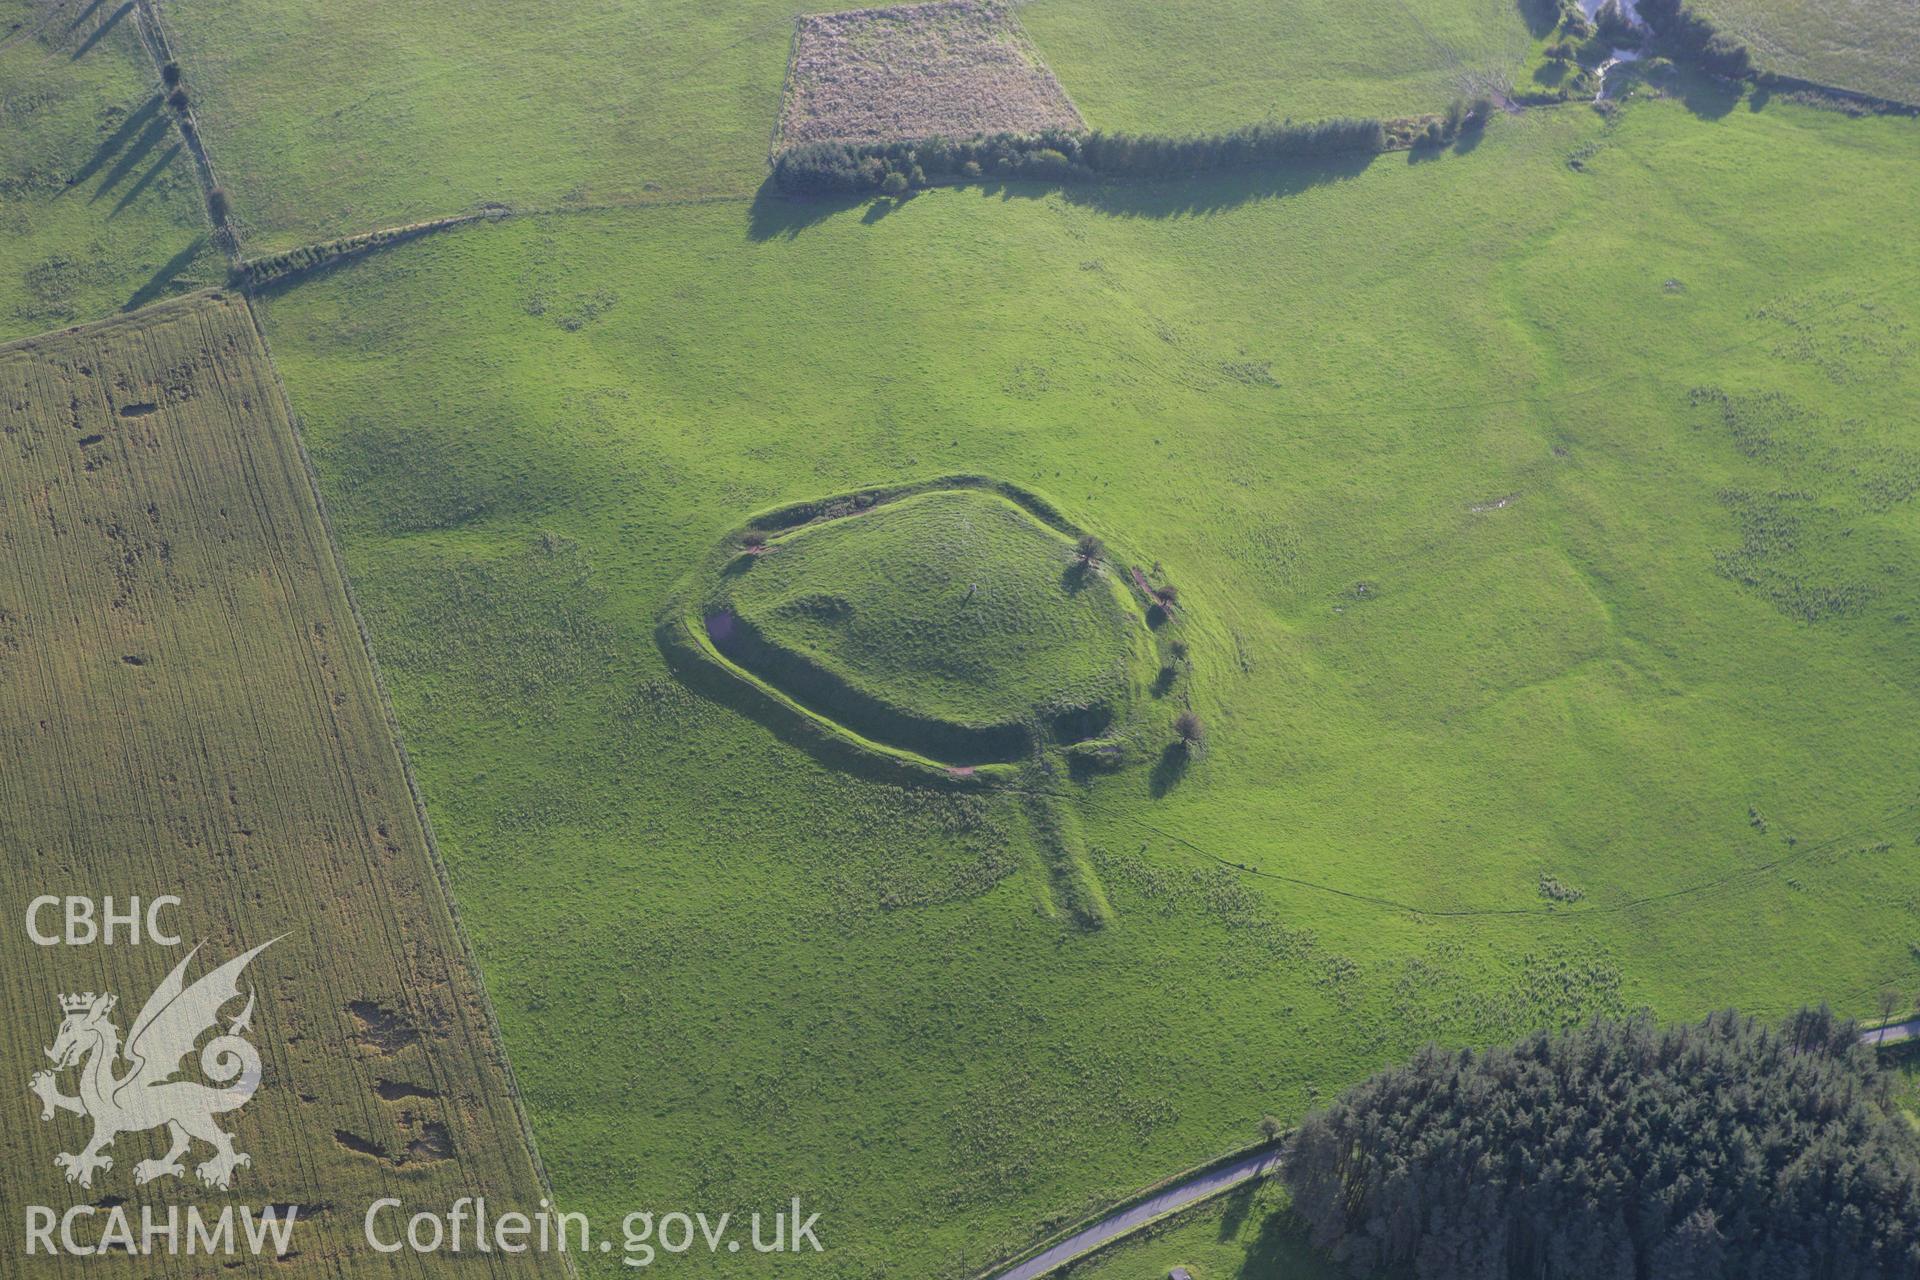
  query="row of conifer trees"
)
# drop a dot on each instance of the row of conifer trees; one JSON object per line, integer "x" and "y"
{"x": 821, "y": 168}
{"x": 1720, "y": 1150}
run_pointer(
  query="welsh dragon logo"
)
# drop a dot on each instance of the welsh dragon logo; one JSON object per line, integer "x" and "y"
{"x": 126, "y": 1090}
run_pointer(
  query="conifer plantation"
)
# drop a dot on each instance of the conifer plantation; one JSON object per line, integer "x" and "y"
{"x": 1621, "y": 1151}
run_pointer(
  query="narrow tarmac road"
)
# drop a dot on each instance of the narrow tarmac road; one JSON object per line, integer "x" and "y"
{"x": 1247, "y": 1169}
{"x": 1178, "y": 1196}
{"x": 1892, "y": 1033}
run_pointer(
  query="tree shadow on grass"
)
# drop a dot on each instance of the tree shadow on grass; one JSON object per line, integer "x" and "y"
{"x": 111, "y": 144}
{"x": 1169, "y": 769}
{"x": 132, "y": 193}
{"x": 1207, "y": 193}
{"x": 153, "y": 289}
{"x": 84, "y": 14}
{"x": 1708, "y": 97}
{"x": 1541, "y": 16}
{"x": 1236, "y": 1205}
{"x": 1076, "y": 576}
{"x": 149, "y": 139}
{"x": 1282, "y": 1249}
{"x": 1552, "y": 73}
{"x": 310, "y": 275}
{"x": 99, "y": 33}
{"x": 773, "y": 215}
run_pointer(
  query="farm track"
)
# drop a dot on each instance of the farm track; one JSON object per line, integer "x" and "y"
{"x": 1731, "y": 881}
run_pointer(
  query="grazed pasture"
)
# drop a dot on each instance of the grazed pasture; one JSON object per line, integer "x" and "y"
{"x": 1870, "y": 46}
{"x": 953, "y": 68}
{"x": 1546, "y": 510}
{"x": 186, "y": 707}
{"x": 1533, "y": 687}
{"x": 98, "y": 205}
{"x": 1188, "y": 66}
{"x": 331, "y": 120}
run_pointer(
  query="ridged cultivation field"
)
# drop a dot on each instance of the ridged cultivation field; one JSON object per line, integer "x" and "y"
{"x": 186, "y": 707}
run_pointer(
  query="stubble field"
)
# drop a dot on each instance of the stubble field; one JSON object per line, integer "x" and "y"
{"x": 186, "y": 708}
{"x": 950, "y": 69}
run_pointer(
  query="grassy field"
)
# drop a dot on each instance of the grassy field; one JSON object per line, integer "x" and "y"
{"x": 98, "y": 205}
{"x": 1198, "y": 65}
{"x": 956, "y": 604}
{"x": 1244, "y": 1236}
{"x": 186, "y": 707}
{"x": 333, "y": 120}
{"x": 1546, "y": 515}
{"x": 1871, "y": 48}
{"x": 363, "y": 114}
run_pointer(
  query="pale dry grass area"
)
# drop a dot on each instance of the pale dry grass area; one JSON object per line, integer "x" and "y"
{"x": 954, "y": 68}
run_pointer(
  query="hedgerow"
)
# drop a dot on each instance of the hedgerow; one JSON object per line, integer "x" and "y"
{"x": 824, "y": 168}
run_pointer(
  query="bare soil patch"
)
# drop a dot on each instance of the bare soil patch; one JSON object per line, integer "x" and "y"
{"x": 955, "y": 69}
{"x": 380, "y": 1028}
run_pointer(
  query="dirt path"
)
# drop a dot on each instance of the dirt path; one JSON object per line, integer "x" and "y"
{"x": 1201, "y": 1186}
